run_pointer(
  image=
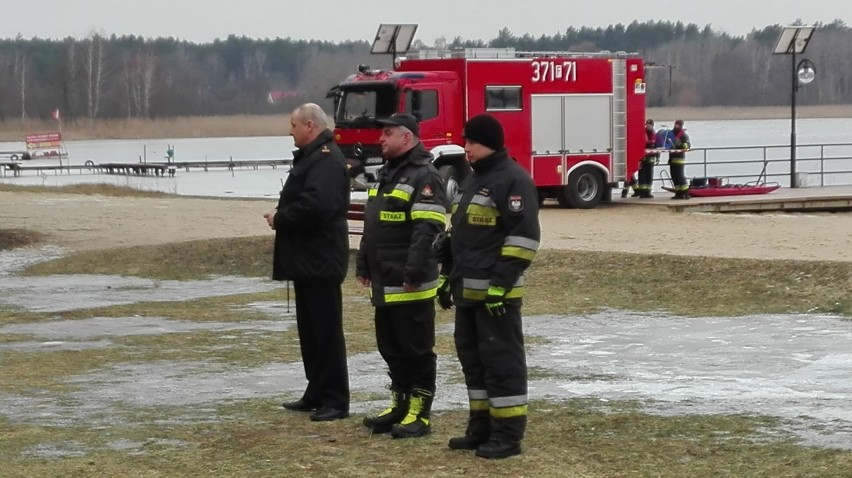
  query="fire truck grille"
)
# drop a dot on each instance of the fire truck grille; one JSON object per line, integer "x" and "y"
{"x": 366, "y": 151}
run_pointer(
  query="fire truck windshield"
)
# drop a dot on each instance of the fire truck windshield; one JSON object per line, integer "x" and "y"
{"x": 361, "y": 107}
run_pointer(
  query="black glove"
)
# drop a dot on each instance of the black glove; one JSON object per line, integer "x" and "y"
{"x": 441, "y": 246}
{"x": 445, "y": 297}
{"x": 494, "y": 301}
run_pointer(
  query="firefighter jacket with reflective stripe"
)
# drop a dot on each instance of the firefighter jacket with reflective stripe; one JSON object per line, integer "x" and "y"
{"x": 495, "y": 230}
{"x": 681, "y": 141}
{"x": 404, "y": 212}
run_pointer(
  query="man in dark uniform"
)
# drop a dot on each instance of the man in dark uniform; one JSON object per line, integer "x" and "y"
{"x": 677, "y": 161}
{"x": 646, "y": 167}
{"x": 495, "y": 235}
{"x": 312, "y": 249}
{"x": 405, "y": 211}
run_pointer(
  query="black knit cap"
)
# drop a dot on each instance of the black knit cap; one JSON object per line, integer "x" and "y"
{"x": 402, "y": 119}
{"x": 485, "y": 130}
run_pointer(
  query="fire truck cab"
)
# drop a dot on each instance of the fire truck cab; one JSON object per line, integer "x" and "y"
{"x": 575, "y": 121}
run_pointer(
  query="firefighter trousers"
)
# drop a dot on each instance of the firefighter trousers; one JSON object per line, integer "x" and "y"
{"x": 319, "y": 319}
{"x": 678, "y": 165}
{"x": 492, "y": 356}
{"x": 646, "y": 174}
{"x": 405, "y": 335}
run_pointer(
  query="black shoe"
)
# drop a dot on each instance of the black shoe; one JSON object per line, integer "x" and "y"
{"x": 466, "y": 442}
{"x": 327, "y": 414}
{"x": 300, "y": 405}
{"x": 496, "y": 449}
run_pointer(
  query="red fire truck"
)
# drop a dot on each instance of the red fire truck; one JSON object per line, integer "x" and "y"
{"x": 575, "y": 121}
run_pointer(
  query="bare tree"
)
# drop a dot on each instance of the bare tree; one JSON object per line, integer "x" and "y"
{"x": 139, "y": 71}
{"x": 94, "y": 64}
{"x": 20, "y": 75}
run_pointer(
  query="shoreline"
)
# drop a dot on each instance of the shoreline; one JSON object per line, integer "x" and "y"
{"x": 277, "y": 125}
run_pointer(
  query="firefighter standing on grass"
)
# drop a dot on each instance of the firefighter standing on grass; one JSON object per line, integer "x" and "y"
{"x": 495, "y": 235}
{"x": 646, "y": 167}
{"x": 405, "y": 211}
{"x": 677, "y": 161}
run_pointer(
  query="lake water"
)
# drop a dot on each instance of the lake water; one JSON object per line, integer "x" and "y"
{"x": 266, "y": 182}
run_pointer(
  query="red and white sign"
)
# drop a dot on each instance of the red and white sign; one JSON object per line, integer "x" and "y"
{"x": 44, "y": 145}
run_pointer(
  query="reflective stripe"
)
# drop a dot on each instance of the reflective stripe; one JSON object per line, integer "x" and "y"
{"x": 454, "y": 208}
{"x": 476, "y": 209}
{"x": 513, "y": 293}
{"x": 372, "y": 192}
{"x": 483, "y": 201}
{"x": 428, "y": 207}
{"x": 410, "y": 296}
{"x": 429, "y": 215}
{"x": 476, "y": 289}
{"x": 477, "y": 394}
{"x": 434, "y": 212}
{"x": 388, "y": 216}
{"x": 468, "y": 283}
{"x": 424, "y": 291}
{"x": 478, "y": 405}
{"x": 503, "y": 402}
{"x": 401, "y": 191}
{"x": 519, "y": 252}
{"x": 510, "y": 412}
{"x": 521, "y": 241}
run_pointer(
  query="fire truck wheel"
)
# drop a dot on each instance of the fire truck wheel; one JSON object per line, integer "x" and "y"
{"x": 584, "y": 190}
{"x": 451, "y": 179}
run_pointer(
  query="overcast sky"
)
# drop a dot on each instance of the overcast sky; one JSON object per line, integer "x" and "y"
{"x": 338, "y": 20}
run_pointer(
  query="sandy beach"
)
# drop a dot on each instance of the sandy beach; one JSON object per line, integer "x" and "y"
{"x": 80, "y": 222}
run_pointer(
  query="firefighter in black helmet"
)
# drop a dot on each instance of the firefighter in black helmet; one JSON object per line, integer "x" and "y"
{"x": 495, "y": 235}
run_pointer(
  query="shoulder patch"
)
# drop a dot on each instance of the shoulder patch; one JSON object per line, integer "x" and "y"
{"x": 516, "y": 203}
{"x": 427, "y": 192}
{"x": 325, "y": 150}
{"x": 484, "y": 192}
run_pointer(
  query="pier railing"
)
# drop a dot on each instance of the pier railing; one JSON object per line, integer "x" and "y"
{"x": 816, "y": 164}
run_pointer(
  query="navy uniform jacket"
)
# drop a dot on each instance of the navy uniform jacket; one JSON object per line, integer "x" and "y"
{"x": 311, "y": 231}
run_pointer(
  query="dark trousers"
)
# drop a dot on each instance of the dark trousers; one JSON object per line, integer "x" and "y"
{"x": 405, "y": 335}
{"x": 678, "y": 175}
{"x": 492, "y": 356}
{"x": 646, "y": 173}
{"x": 319, "y": 317}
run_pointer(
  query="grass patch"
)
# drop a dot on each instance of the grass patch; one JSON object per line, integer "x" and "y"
{"x": 559, "y": 282}
{"x": 255, "y": 437}
{"x": 15, "y": 238}
{"x": 571, "y": 438}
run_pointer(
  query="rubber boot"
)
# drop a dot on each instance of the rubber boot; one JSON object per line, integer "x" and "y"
{"x": 387, "y": 418}
{"x": 478, "y": 430}
{"x": 505, "y": 439}
{"x": 417, "y": 422}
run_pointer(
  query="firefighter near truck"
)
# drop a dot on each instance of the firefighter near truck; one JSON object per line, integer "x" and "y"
{"x": 574, "y": 121}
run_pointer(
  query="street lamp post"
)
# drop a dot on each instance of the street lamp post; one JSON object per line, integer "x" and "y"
{"x": 804, "y": 72}
{"x": 793, "y": 41}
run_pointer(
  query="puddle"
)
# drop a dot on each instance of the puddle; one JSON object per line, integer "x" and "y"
{"x": 15, "y": 260}
{"x": 59, "y": 293}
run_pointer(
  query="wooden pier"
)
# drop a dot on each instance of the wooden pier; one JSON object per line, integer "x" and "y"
{"x": 19, "y": 168}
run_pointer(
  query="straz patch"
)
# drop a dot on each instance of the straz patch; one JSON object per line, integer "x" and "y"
{"x": 325, "y": 150}
{"x": 516, "y": 203}
{"x": 476, "y": 220}
{"x": 427, "y": 192}
{"x": 484, "y": 192}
